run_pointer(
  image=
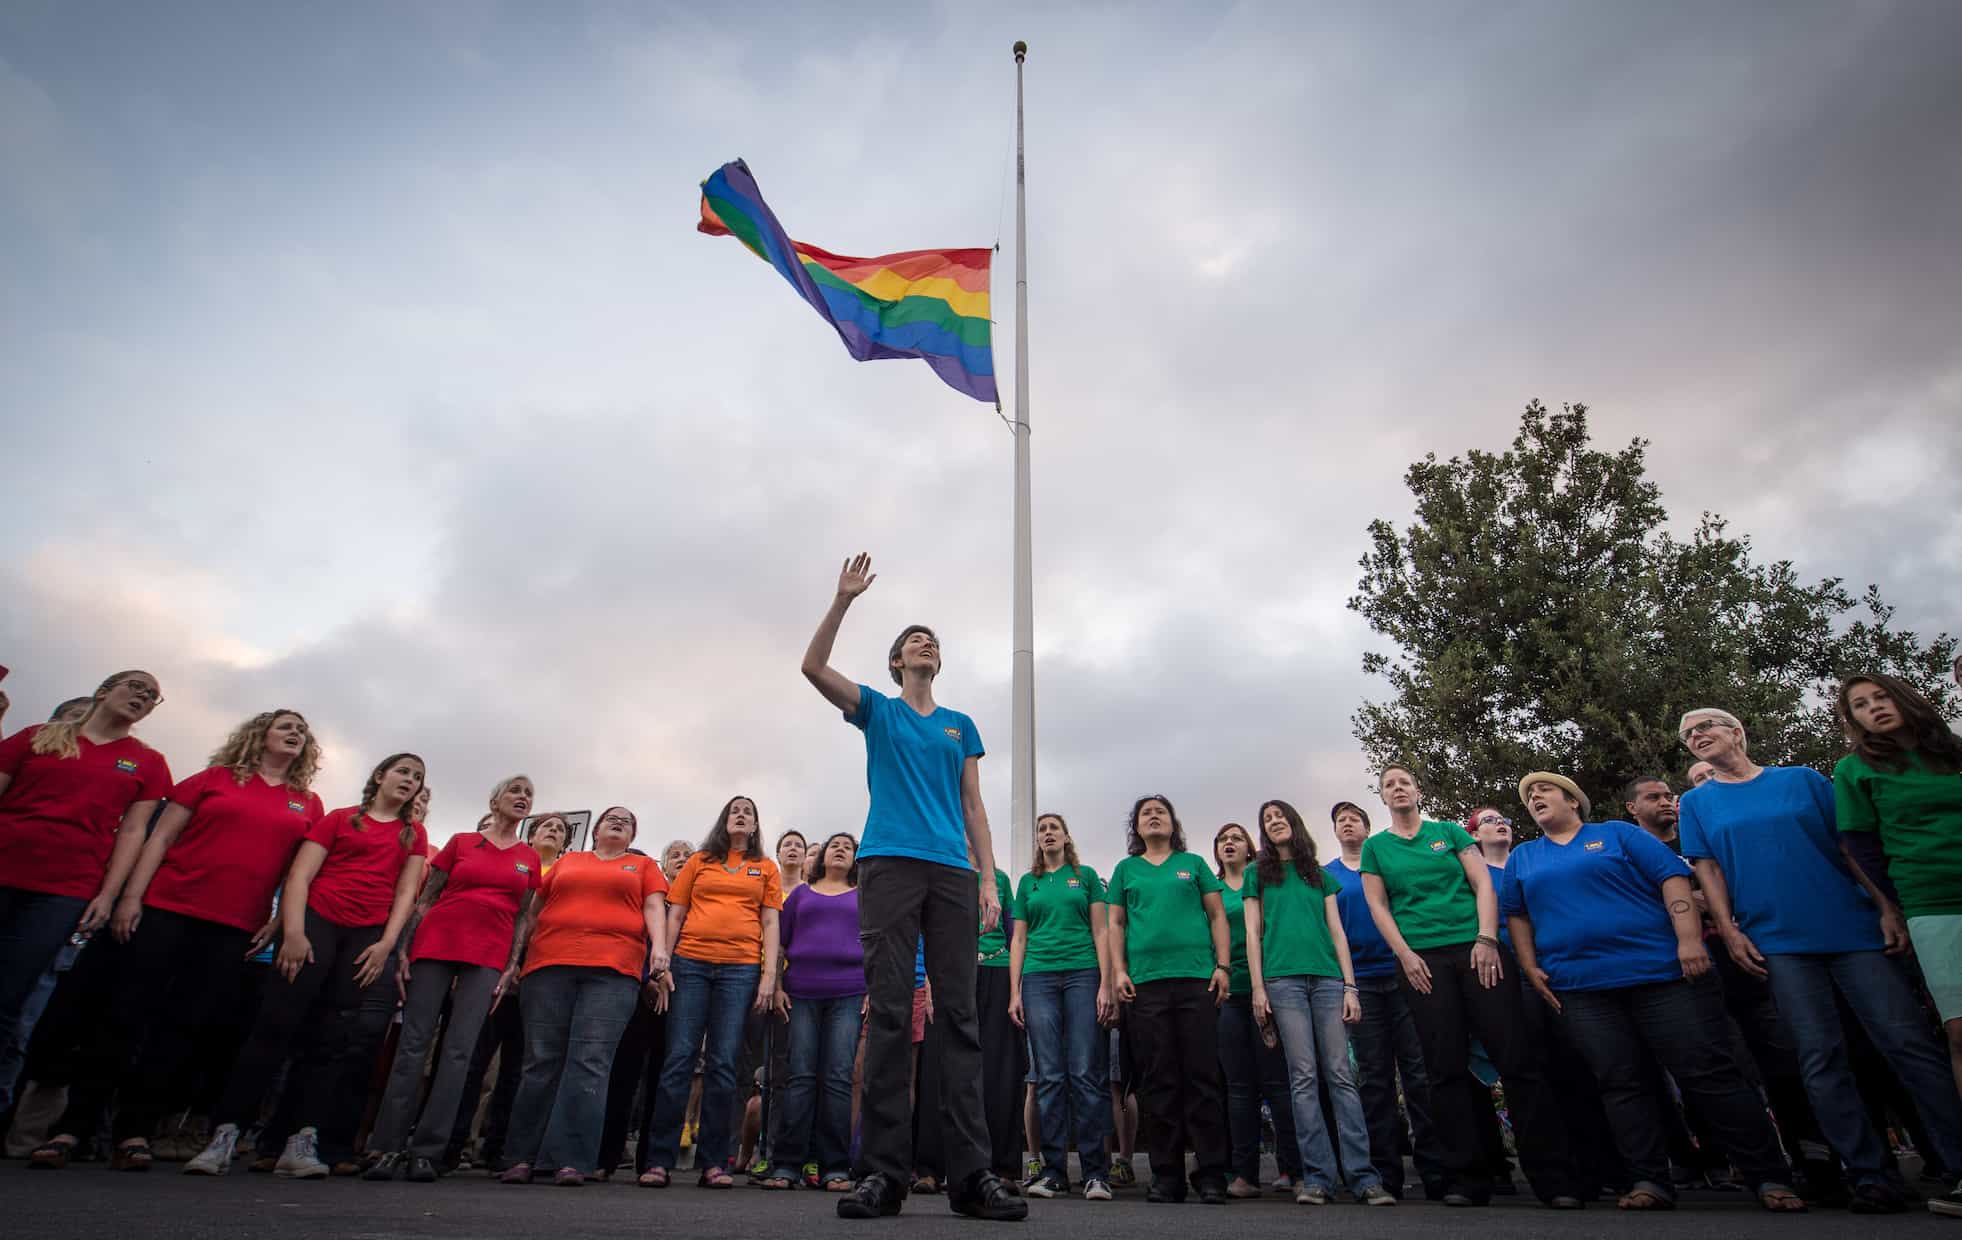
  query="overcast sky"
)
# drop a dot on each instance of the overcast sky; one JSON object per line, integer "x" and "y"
{"x": 363, "y": 359}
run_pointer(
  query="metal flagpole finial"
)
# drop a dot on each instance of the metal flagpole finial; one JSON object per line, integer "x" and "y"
{"x": 1021, "y": 50}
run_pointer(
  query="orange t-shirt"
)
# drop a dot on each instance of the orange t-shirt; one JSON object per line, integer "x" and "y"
{"x": 725, "y": 911}
{"x": 590, "y": 913}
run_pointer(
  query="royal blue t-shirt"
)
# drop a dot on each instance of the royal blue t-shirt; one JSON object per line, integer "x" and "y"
{"x": 1498, "y": 873}
{"x": 1775, "y": 836}
{"x": 1596, "y": 905}
{"x": 1368, "y": 953}
{"x": 913, "y": 770}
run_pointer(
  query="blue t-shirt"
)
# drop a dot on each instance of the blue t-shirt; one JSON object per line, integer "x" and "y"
{"x": 913, "y": 770}
{"x": 1498, "y": 873}
{"x": 1596, "y": 906}
{"x": 1370, "y": 955}
{"x": 1775, "y": 837}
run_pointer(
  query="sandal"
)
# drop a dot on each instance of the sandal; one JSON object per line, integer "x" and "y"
{"x": 1644, "y": 1197}
{"x": 716, "y": 1177}
{"x": 838, "y": 1185}
{"x": 51, "y": 1156}
{"x": 925, "y": 1184}
{"x": 135, "y": 1156}
{"x": 653, "y": 1177}
{"x": 1780, "y": 1199}
{"x": 776, "y": 1180}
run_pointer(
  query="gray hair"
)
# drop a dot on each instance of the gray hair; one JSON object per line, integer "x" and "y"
{"x": 1714, "y": 712}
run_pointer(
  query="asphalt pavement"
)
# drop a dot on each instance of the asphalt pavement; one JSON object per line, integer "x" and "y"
{"x": 86, "y": 1200}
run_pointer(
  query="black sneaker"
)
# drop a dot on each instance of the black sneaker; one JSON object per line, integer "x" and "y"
{"x": 984, "y": 1196}
{"x": 1877, "y": 1198}
{"x": 421, "y": 1170}
{"x": 385, "y": 1167}
{"x": 1165, "y": 1191}
{"x": 1212, "y": 1192}
{"x": 875, "y": 1196}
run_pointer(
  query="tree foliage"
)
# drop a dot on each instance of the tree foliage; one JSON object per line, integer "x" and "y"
{"x": 1544, "y": 618}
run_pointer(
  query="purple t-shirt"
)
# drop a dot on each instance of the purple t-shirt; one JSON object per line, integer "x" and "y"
{"x": 820, "y": 945}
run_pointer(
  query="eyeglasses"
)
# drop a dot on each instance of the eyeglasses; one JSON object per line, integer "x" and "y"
{"x": 618, "y": 820}
{"x": 1701, "y": 726}
{"x": 1493, "y": 820}
{"x": 143, "y": 689}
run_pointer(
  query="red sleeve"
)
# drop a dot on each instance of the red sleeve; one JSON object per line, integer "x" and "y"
{"x": 446, "y": 857}
{"x": 195, "y": 789}
{"x": 684, "y": 882}
{"x": 653, "y": 881}
{"x": 316, "y": 809}
{"x": 421, "y": 847}
{"x": 157, "y": 781}
{"x": 14, "y": 750}
{"x": 326, "y": 827}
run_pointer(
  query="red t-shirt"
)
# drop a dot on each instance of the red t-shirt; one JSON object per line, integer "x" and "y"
{"x": 356, "y": 883}
{"x": 590, "y": 913}
{"x": 472, "y": 918}
{"x": 58, "y": 816}
{"x": 235, "y": 849}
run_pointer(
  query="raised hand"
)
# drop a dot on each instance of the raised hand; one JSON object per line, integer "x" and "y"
{"x": 856, "y": 576}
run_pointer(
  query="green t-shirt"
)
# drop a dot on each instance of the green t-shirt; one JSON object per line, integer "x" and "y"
{"x": 1430, "y": 897}
{"x": 1233, "y": 899}
{"x": 1918, "y": 814}
{"x": 1166, "y": 933}
{"x": 1294, "y": 936}
{"x": 994, "y": 944}
{"x": 1057, "y": 910}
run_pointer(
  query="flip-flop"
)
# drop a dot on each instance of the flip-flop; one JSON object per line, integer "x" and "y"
{"x": 52, "y": 1156}
{"x": 1779, "y": 1199}
{"x": 653, "y": 1177}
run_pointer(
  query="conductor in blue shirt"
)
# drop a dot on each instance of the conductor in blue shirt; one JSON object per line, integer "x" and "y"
{"x": 916, "y": 883}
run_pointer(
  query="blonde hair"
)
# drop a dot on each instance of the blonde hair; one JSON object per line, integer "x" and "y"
{"x": 62, "y": 739}
{"x": 1041, "y": 864}
{"x": 246, "y": 746}
{"x": 503, "y": 786}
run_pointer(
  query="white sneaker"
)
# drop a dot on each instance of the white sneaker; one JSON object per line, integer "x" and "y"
{"x": 301, "y": 1159}
{"x": 1949, "y": 1204}
{"x": 217, "y": 1156}
{"x": 1096, "y": 1190}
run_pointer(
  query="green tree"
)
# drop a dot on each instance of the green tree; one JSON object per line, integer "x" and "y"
{"x": 1543, "y": 618}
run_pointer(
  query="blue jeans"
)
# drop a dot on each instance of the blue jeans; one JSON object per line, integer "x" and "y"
{"x": 1308, "y": 1013}
{"x": 1387, "y": 1048}
{"x": 1071, "y": 1067}
{"x": 1254, "y": 1070}
{"x": 33, "y": 926}
{"x": 1877, "y": 990}
{"x": 574, "y": 1016}
{"x": 712, "y": 1000}
{"x": 817, "y": 1100}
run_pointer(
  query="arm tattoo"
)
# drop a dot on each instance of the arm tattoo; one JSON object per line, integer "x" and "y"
{"x": 1679, "y": 906}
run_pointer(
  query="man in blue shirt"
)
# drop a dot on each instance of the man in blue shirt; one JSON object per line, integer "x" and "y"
{"x": 922, "y": 767}
{"x": 1385, "y": 1041}
{"x": 1793, "y": 911}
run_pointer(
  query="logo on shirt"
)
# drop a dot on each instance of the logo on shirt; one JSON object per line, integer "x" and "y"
{"x": 126, "y": 765}
{"x": 1185, "y": 876}
{"x": 953, "y": 733}
{"x": 297, "y": 807}
{"x": 630, "y": 869}
{"x": 525, "y": 869}
{"x": 755, "y": 873}
{"x": 1439, "y": 845}
{"x": 1072, "y": 883}
{"x": 1595, "y": 845}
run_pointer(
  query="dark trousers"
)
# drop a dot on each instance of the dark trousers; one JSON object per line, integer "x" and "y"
{"x": 332, "y": 1074}
{"x": 504, "y": 1038}
{"x": 1458, "y": 1009}
{"x": 1387, "y": 1047}
{"x": 643, "y": 1047}
{"x": 1590, "y": 1140}
{"x": 902, "y": 900}
{"x": 173, "y": 978}
{"x": 1683, "y": 1024}
{"x": 1252, "y": 1070}
{"x": 817, "y": 1097}
{"x": 1774, "y": 1053}
{"x": 1004, "y": 1071}
{"x": 1181, "y": 1097}
{"x": 33, "y": 926}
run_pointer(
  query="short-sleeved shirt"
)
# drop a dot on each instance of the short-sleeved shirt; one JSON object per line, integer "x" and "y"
{"x": 234, "y": 850}
{"x": 477, "y": 910}
{"x": 823, "y": 957}
{"x": 1774, "y": 836}
{"x": 1056, "y": 907}
{"x": 1917, "y": 812}
{"x": 1596, "y": 906}
{"x": 356, "y": 883}
{"x": 725, "y": 910}
{"x": 1233, "y": 902}
{"x": 1294, "y": 934}
{"x": 59, "y": 816}
{"x": 993, "y": 945}
{"x": 591, "y": 913}
{"x": 913, "y": 770}
{"x": 1430, "y": 897}
{"x": 1369, "y": 954}
{"x": 1166, "y": 931}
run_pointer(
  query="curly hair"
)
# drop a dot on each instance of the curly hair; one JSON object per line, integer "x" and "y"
{"x": 1041, "y": 864}
{"x": 372, "y": 789}
{"x": 1883, "y": 751}
{"x": 1134, "y": 843}
{"x": 1301, "y": 848}
{"x": 60, "y": 737}
{"x": 244, "y": 748}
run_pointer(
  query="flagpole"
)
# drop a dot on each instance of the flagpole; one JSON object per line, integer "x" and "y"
{"x": 1021, "y": 812}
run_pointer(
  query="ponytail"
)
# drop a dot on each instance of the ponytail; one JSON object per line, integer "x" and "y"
{"x": 61, "y": 737}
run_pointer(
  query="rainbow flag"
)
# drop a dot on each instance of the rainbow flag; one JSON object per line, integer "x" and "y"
{"x": 929, "y": 304}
